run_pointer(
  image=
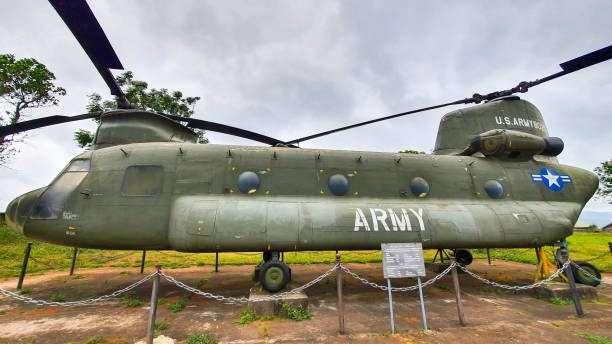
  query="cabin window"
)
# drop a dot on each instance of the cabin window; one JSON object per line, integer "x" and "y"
{"x": 54, "y": 198}
{"x": 143, "y": 181}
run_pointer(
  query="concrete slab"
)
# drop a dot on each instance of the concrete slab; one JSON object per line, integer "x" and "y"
{"x": 274, "y": 307}
{"x": 562, "y": 291}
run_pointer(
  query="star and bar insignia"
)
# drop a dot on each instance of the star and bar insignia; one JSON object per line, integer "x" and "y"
{"x": 553, "y": 180}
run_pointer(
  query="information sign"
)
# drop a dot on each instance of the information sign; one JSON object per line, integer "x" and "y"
{"x": 403, "y": 260}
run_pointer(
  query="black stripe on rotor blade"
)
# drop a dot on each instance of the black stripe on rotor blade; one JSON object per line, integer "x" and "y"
{"x": 302, "y": 139}
{"x": 587, "y": 60}
{"x": 226, "y": 129}
{"x": 43, "y": 122}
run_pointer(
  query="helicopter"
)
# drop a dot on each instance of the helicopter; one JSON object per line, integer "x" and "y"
{"x": 493, "y": 180}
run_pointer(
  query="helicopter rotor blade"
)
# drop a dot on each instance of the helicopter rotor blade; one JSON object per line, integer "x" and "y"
{"x": 226, "y": 129}
{"x": 570, "y": 66}
{"x": 81, "y": 21}
{"x": 42, "y": 122}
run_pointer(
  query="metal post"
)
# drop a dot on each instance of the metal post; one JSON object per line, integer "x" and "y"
{"x": 570, "y": 278}
{"x": 537, "y": 251}
{"x": 457, "y": 292}
{"x": 24, "y": 266}
{"x": 74, "y": 255}
{"x": 283, "y": 256}
{"x": 488, "y": 256}
{"x": 340, "y": 303}
{"x": 153, "y": 311}
{"x": 142, "y": 263}
{"x": 216, "y": 261}
{"x": 422, "y": 304}
{"x": 391, "y": 306}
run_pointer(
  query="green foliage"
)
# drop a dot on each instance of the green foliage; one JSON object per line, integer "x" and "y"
{"x": 298, "y": 313}
{"x": 24, "y": 84}
{"x": 247, "y": 317}
{"x": 558, "y": 301}
{"x": 409, "y": 151}
{"x": 95, "y": 340}
{"x": 79, "y": 276}
{"x": 178, "y": 305}
{"x": 594, "y": 339}
{"x": 138, "y": 93}
{"x": 57, "y": 298}
{"x": 160, "y": 326}
{"x": 161, "y": 301}
{"x": 264, "y": 329}
{"x": 25, "y": 291}
{"x": 2, "y": 312}
{"x": 201, "y": 338}
{"x": 604, "y": 172}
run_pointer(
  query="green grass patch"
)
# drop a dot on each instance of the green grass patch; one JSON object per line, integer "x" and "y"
{"x": 161, "y": 301}
{"x": 558, "y": 301}
{"x": 247, "y": 317}
{"x": 57, "y": 298}
{"x": 95, "y": 340}
{"x": 25, "y": 291}
{"x": 160, "y": 326}
{"x": 201, "y": 338}
{"x": 298, "y": 313}
{"x": 78, "y": 277}
{"x": 594, "y": 339}
{"x": 2, "y": 312}
{"x": 178, "y": 305}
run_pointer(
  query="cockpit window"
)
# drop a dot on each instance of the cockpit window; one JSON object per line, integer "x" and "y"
{"x": 143, "y": 181}
{"x": 54, "y": 198}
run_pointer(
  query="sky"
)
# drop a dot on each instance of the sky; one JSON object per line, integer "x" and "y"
{"x": 288, "y": 69}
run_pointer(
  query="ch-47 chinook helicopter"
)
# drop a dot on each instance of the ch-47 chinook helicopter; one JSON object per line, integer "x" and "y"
{"x": 493, "y": 180}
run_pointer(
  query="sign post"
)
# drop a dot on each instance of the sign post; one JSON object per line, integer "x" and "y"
{"x": 400, "y": 261}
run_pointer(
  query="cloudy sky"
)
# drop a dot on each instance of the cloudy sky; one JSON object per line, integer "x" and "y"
{"x": 288, "y": 69}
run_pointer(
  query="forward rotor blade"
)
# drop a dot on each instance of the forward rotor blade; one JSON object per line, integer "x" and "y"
{"x": 226, "y": 129}
{"x": 42, "y": 122}
{"x": 85, "y": 27}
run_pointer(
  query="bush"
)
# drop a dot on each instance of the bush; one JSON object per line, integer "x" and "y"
{"x": 298, "y": 313}
{"x": 95, "y": 340}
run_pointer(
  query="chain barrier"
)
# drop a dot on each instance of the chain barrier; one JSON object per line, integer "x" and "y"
{"x": 513, "y": 287}
{"x": 26, "y": 299}
{"x": 244, "y": 299}
{"x": 410, "y": 288}
{"x": 589, "y": 274}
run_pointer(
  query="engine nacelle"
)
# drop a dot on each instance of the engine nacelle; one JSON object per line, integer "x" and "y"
{"x": 513, "y": 144}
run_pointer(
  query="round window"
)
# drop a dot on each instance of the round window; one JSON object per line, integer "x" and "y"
{"x": 419, "y": 187}
{"x": 248, "y": 182}
{"x": 338, "y": 184}
{"x": 494, "y": 188}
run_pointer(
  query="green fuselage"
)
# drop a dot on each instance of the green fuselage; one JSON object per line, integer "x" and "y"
{"x": 188, "y": 200}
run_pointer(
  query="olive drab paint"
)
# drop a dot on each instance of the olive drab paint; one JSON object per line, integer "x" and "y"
{"x": 147, "y": 185}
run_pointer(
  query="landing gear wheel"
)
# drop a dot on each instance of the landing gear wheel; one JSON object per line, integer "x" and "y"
{"x": 463, "y": 257}
{"x": 274, "y": 275}
{"x": 582, "y": 277}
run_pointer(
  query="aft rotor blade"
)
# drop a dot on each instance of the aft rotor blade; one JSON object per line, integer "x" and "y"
{"x": 42, "y": 122}
{"x": 226, "y": 129}
{"x": 570, "y": 66}
{"x": 87, "y": 30}
{"x": 302, "y": 139}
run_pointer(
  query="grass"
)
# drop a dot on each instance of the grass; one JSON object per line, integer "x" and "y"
{"x": 57, "y": 298}
{"x": 25, "y": 291}
{"x": 559, "y": 302}
{"x": 247, "y": 317}
{"x": 178, "y": 305}
{"x": 298, "y": 313}
{"x": 594, "y": 339}
{"x": 201, "y": 338}
{"x": 46, "y": 256}
{"x": 95, "y": 340}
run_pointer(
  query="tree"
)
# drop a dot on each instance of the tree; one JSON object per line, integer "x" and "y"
{"x": 604, "y": 172}
{"x": 137, "y": 93}
{"x": 24, "y": 84}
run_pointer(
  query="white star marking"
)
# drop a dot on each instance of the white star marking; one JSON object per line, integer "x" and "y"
{"x": 552, "y": 179}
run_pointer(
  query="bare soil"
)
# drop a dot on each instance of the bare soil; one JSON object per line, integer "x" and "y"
{"x": 492, "y": 317}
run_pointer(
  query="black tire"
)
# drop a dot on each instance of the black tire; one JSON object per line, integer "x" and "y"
{"x": 583, "y": 278}
{"x": 274, "y": 276}
{"x": 267, "y": 255}
{"x": 463, "y": 257}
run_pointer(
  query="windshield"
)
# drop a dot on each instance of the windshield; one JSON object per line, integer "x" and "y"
{"x": 52, "y": 201}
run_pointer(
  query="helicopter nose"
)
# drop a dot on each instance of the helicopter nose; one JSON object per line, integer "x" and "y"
{"x": 19, "y": 209}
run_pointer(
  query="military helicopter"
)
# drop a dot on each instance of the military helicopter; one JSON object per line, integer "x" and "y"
{"x": 493, "y": 180}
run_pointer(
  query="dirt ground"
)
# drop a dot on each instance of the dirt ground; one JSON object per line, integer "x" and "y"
{"x": 492, "y": 317}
